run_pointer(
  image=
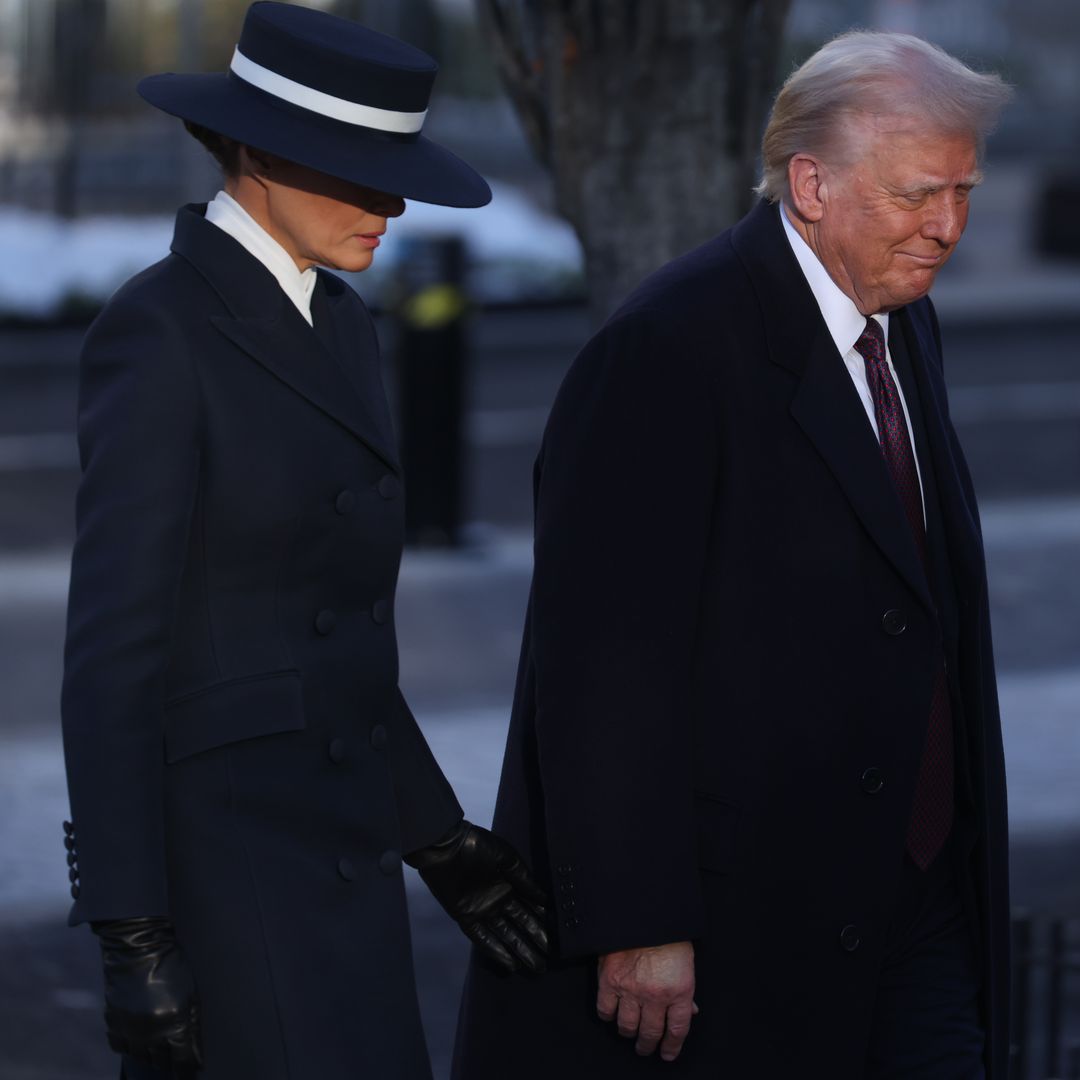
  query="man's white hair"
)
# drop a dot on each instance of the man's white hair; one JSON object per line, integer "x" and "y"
{"x": 874, "y": 73}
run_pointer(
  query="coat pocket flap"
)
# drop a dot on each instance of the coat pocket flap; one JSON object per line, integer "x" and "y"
{"x": 232, "y": 711}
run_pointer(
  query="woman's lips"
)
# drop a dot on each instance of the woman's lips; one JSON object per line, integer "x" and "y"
{"x": 370, "y": 240}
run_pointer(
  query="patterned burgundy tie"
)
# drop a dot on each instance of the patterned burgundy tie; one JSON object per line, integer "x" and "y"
{"x": 932, "y": 811}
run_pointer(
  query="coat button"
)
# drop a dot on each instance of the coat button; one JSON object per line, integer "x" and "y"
{"x": 389, "y": 488}
{"x": 346, "y": 869}
{"x": 893, "y": 622}
{"x": 390, "y": 862}
{"x": 872, "y": 781}
{"x": 378, "y": 736}
{"x": 325, "y": 622}
{"x": 74, "y": 892}
{"x": 345, "y": 503}
{"x": 380, "y": 611}
{"x": 849, "y": 938}
{"x": 336, "y": 751}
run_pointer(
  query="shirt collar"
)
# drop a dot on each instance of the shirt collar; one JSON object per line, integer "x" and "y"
{"x": 844, "y": 320}
{"x": 229, "y": 216}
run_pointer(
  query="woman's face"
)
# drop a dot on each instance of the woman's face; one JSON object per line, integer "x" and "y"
{"x": 321, "y": 220}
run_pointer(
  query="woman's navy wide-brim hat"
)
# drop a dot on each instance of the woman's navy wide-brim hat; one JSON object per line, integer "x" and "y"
{"x": 329, "y": 94}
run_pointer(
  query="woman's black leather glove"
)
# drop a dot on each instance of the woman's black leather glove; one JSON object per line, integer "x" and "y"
{"x": 150, "y": 1009}
{"x": 482, "y": 883}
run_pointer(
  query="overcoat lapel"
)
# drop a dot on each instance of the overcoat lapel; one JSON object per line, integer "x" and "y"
{"x": 959, "y": 518}
{"x": 825, "y": 405}
{"x": 266, "y": 326}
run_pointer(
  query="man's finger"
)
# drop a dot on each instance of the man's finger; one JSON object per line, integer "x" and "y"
{"x": 607, "y": 1001}
{"x": 678, "y": 1027}
{"x": 628, "y": 1018}
{"x": 650, "y": 1029}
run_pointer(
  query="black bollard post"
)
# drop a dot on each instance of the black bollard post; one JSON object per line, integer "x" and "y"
{"x": 430, "y": 361}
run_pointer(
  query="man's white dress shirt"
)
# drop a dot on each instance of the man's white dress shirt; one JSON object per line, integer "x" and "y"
{"x": 229, "y": 216}
{"x": 846, "y": 324}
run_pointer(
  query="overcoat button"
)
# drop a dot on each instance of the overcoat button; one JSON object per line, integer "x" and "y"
{"x": 336, "y": 750}
{"x": 68, "y": 828}
{"x": 390, "y": 862}
{"x": 74, "y": 892}
{"x": 893, "y": 622}
{"x": 346, "y": 869}
{"x": 380, "y": 611}
{"x": 378, "y": 736}
{"x": 345, "y": 502}
{"x": 872, "y": 781}
{"x": 389, "y": 488}
{"x": 849, "y": 938}
{"x": 325, "y": 622}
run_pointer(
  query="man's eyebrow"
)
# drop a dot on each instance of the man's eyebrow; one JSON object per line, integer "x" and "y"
{"x": 971, "y": 180}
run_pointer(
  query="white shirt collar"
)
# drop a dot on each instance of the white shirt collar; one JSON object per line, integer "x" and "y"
{"x": 229, "y": 216}
{"x": 844, "y": 320}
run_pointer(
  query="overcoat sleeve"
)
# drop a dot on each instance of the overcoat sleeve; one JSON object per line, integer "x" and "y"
{"x": 139, "y": 449}
{"x": 624, "y": 502}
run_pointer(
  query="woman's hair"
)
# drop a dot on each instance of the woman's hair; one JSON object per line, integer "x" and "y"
{"x": 225, "y": 151}
{"x": 874, "y": 73}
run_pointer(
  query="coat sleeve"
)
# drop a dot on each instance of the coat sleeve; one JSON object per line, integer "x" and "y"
{"x": 624, "y": 504}
{"x": 426, "y": 804}
{"x": 139, "y": 449}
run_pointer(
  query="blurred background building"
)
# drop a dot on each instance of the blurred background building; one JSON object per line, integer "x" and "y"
{"x": 89, "y": 181}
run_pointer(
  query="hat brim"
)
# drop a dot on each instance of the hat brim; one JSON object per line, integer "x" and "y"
{"x": 416, "y": 169}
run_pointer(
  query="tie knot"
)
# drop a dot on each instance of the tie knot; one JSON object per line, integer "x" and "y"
{"x": 871, "y": 343}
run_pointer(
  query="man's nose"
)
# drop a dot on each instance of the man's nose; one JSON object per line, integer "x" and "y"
{"x": 946, "y": 220}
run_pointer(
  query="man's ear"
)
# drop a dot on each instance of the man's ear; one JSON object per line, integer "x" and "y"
{"x": 806, "y": 183}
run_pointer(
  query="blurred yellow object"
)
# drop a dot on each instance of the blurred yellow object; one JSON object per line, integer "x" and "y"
{"x": 434, "y": 307}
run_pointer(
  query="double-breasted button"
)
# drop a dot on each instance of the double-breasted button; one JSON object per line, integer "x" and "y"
{"x": 893, "y": 622}
{"x": 380, "y": 611}
{"x": 378, "y": 736}
{"x": 849, "y": 939}
{"x": 872, "y": 781}
{"x": 325, "y": 622}
{"x": 390, "y": 862}
{"x": 336, "y": 751}
{"x": 74, "y": 892}
{"x": 346, "y": 869}
{"x": 345, "y": 503}
{"x": 389, "y": 487}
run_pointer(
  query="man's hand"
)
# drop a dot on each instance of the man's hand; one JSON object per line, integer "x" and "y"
{"x": 150, "y": 1010}
{"x": 485, "y": 887}
{"x": 651, "y": 994}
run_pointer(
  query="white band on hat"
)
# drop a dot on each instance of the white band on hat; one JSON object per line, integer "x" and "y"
{"x": 402, "y": 123}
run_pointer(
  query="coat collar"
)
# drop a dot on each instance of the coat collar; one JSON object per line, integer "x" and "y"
{"x": 265, "y": 324}
{"x": 826, "y": 404}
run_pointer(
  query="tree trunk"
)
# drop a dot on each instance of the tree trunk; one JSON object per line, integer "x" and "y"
{"x": 648, "y": 114}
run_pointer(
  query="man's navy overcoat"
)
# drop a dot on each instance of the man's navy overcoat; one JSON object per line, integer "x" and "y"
{"x": 239, "y": 756}
{"x": 725, "y": 681}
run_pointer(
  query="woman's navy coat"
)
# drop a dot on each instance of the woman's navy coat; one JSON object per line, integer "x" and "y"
{"x": 240, "y": 758}
{"x": 718, "y": 725}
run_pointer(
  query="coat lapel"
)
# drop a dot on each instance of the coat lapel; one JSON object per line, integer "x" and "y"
{"x": 826, "y": 404}
{"x": 265, "y": 325}
{"x": 959, "y": 516}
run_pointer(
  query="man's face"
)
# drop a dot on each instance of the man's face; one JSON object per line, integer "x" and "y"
{"x": 893, "y": 214}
